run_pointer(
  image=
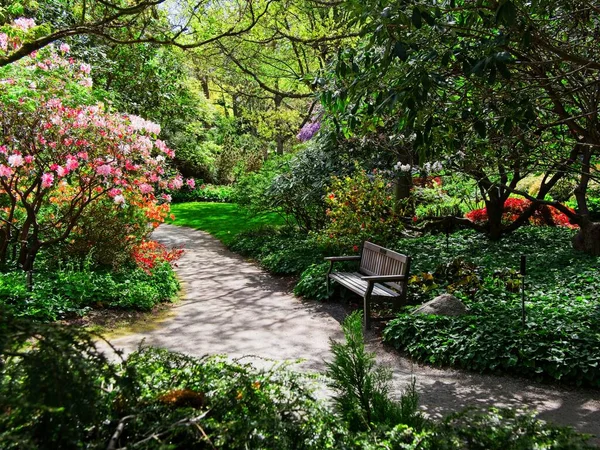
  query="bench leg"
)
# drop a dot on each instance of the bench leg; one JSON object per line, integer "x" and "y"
{"x": 367, "y": 306}
{"x": 329, "y": 279}
{"x": 367, "y": 313}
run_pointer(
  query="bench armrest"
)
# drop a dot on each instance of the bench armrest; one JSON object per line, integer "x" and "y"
{"x": 343, "y": 258}
{"x": 384, "y": 278}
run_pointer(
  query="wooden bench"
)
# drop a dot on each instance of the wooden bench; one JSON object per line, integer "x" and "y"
{"x": 382, "y": 277}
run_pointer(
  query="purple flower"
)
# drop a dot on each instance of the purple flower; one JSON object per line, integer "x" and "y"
{"x": 308, "y": 131}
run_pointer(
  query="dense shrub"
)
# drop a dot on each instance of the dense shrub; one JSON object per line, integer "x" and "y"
{"x": 63, "y": 394}
{"x": 280, "y": 251}
{"x": 104, "y": 236}
{"x": 295, "y": 186}
{"x": 60, "y": 154}
{"x": 362, "y": 387}
{"x": 361, "y": 206}
{"x": 204, "y": 193}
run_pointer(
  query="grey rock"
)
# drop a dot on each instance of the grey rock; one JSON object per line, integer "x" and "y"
{"x": 443, "y": 305}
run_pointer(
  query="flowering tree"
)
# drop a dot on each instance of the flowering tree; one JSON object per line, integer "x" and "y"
{"x": 60, "y": 152}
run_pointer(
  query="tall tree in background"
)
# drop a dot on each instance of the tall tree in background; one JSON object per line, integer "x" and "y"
{"x": 267, "y": 76}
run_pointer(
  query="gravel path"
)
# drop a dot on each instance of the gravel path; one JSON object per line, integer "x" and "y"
{"x": 231, "y": 306}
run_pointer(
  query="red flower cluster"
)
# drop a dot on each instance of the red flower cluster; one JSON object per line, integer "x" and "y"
{"x": 514, "y": 207}
{"x": 149, "y": 253}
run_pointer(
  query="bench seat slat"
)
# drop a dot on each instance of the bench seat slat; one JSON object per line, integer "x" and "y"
{"x": 353, "y": 281}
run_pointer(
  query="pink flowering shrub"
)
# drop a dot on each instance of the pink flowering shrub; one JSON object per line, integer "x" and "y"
{"x": 61, "y": 153}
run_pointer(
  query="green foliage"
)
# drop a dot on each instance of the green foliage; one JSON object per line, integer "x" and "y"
{"x": 361, "y": 206}
{"x": 204, "y": 193}
{"x": 65, "y": 292}
{"x": 502, "y": 429}
{"x": 293, "y": 185}
{"x": 235, "y": 405}
{"x": 313, "y": 283}
{"x": 51, "y": 394}
{"x": 362, "y": 387}
{"x": 222, "y": 220}
{"x": 281, "y": 252}
{"x": 103, "y": 238}
{"x": 562, "y": 307}
{"x": 252, "y": 189}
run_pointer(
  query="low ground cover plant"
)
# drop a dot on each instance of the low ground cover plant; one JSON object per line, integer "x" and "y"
{"x": 58, "y": 391}
{"x": 72, "y": 291}
{"x": 559, "y": 338}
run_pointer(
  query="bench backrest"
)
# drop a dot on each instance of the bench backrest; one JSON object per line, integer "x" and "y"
{"x": 376, "y": 260}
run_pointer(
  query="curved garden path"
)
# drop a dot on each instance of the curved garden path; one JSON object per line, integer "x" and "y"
{"x": 231, "y": 306}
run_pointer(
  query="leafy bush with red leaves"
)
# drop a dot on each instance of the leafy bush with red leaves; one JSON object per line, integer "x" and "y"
{"x": 148, "y": 254}
{"x": 514, "y": 207}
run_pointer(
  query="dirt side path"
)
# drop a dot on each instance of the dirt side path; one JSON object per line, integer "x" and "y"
{"x": 231, "y": 306}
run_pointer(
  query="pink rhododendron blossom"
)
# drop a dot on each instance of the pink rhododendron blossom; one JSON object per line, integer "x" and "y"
{"x": 145, "y": 188}
{"x": 47, "y": 180}
{"x": 86, "y": 82}
{"x": 166, "y": 197}
{"x": 5, "y": 171}
{"x": 119, "y": 199}
{"x": 83, "y": 155}
{"x": 177, "y": 183}
{"x": 15, "y": 160}
{"x": 61, "y": 171}
{"x": 23, "y": 23}
{"x": 191, "y": 183}
{"x": 3, "y": 41}
{"x": 104, "y": 169}
{"x": 114, "y": 192}
{"x": 85, "y": 68}
{"x": 3, "y": 149}
{"x": 29, "y": 159}
{"x": 72, "y": 164}
{"x": 65, "y": 48}
{"x": 54, "y": 103}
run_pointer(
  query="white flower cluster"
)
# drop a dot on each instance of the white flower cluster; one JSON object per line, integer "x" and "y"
{"x": 427, "y": 167}
{"x": 137, "y": 123}
{"x": 402, "y": 167}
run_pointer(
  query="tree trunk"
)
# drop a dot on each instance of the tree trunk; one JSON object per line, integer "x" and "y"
{"x": 587, "y": 240}
{"x": 495, "y": 209}
{"x": 402, "y": 191}
{"x": 279, "y": 139}
{"x": 205, "y": 87}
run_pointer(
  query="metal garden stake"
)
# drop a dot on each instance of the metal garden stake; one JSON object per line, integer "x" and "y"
{"x": 523, "y": 272}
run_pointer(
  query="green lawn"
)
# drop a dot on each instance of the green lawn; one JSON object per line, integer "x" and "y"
{"x": 222, "y": 220}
